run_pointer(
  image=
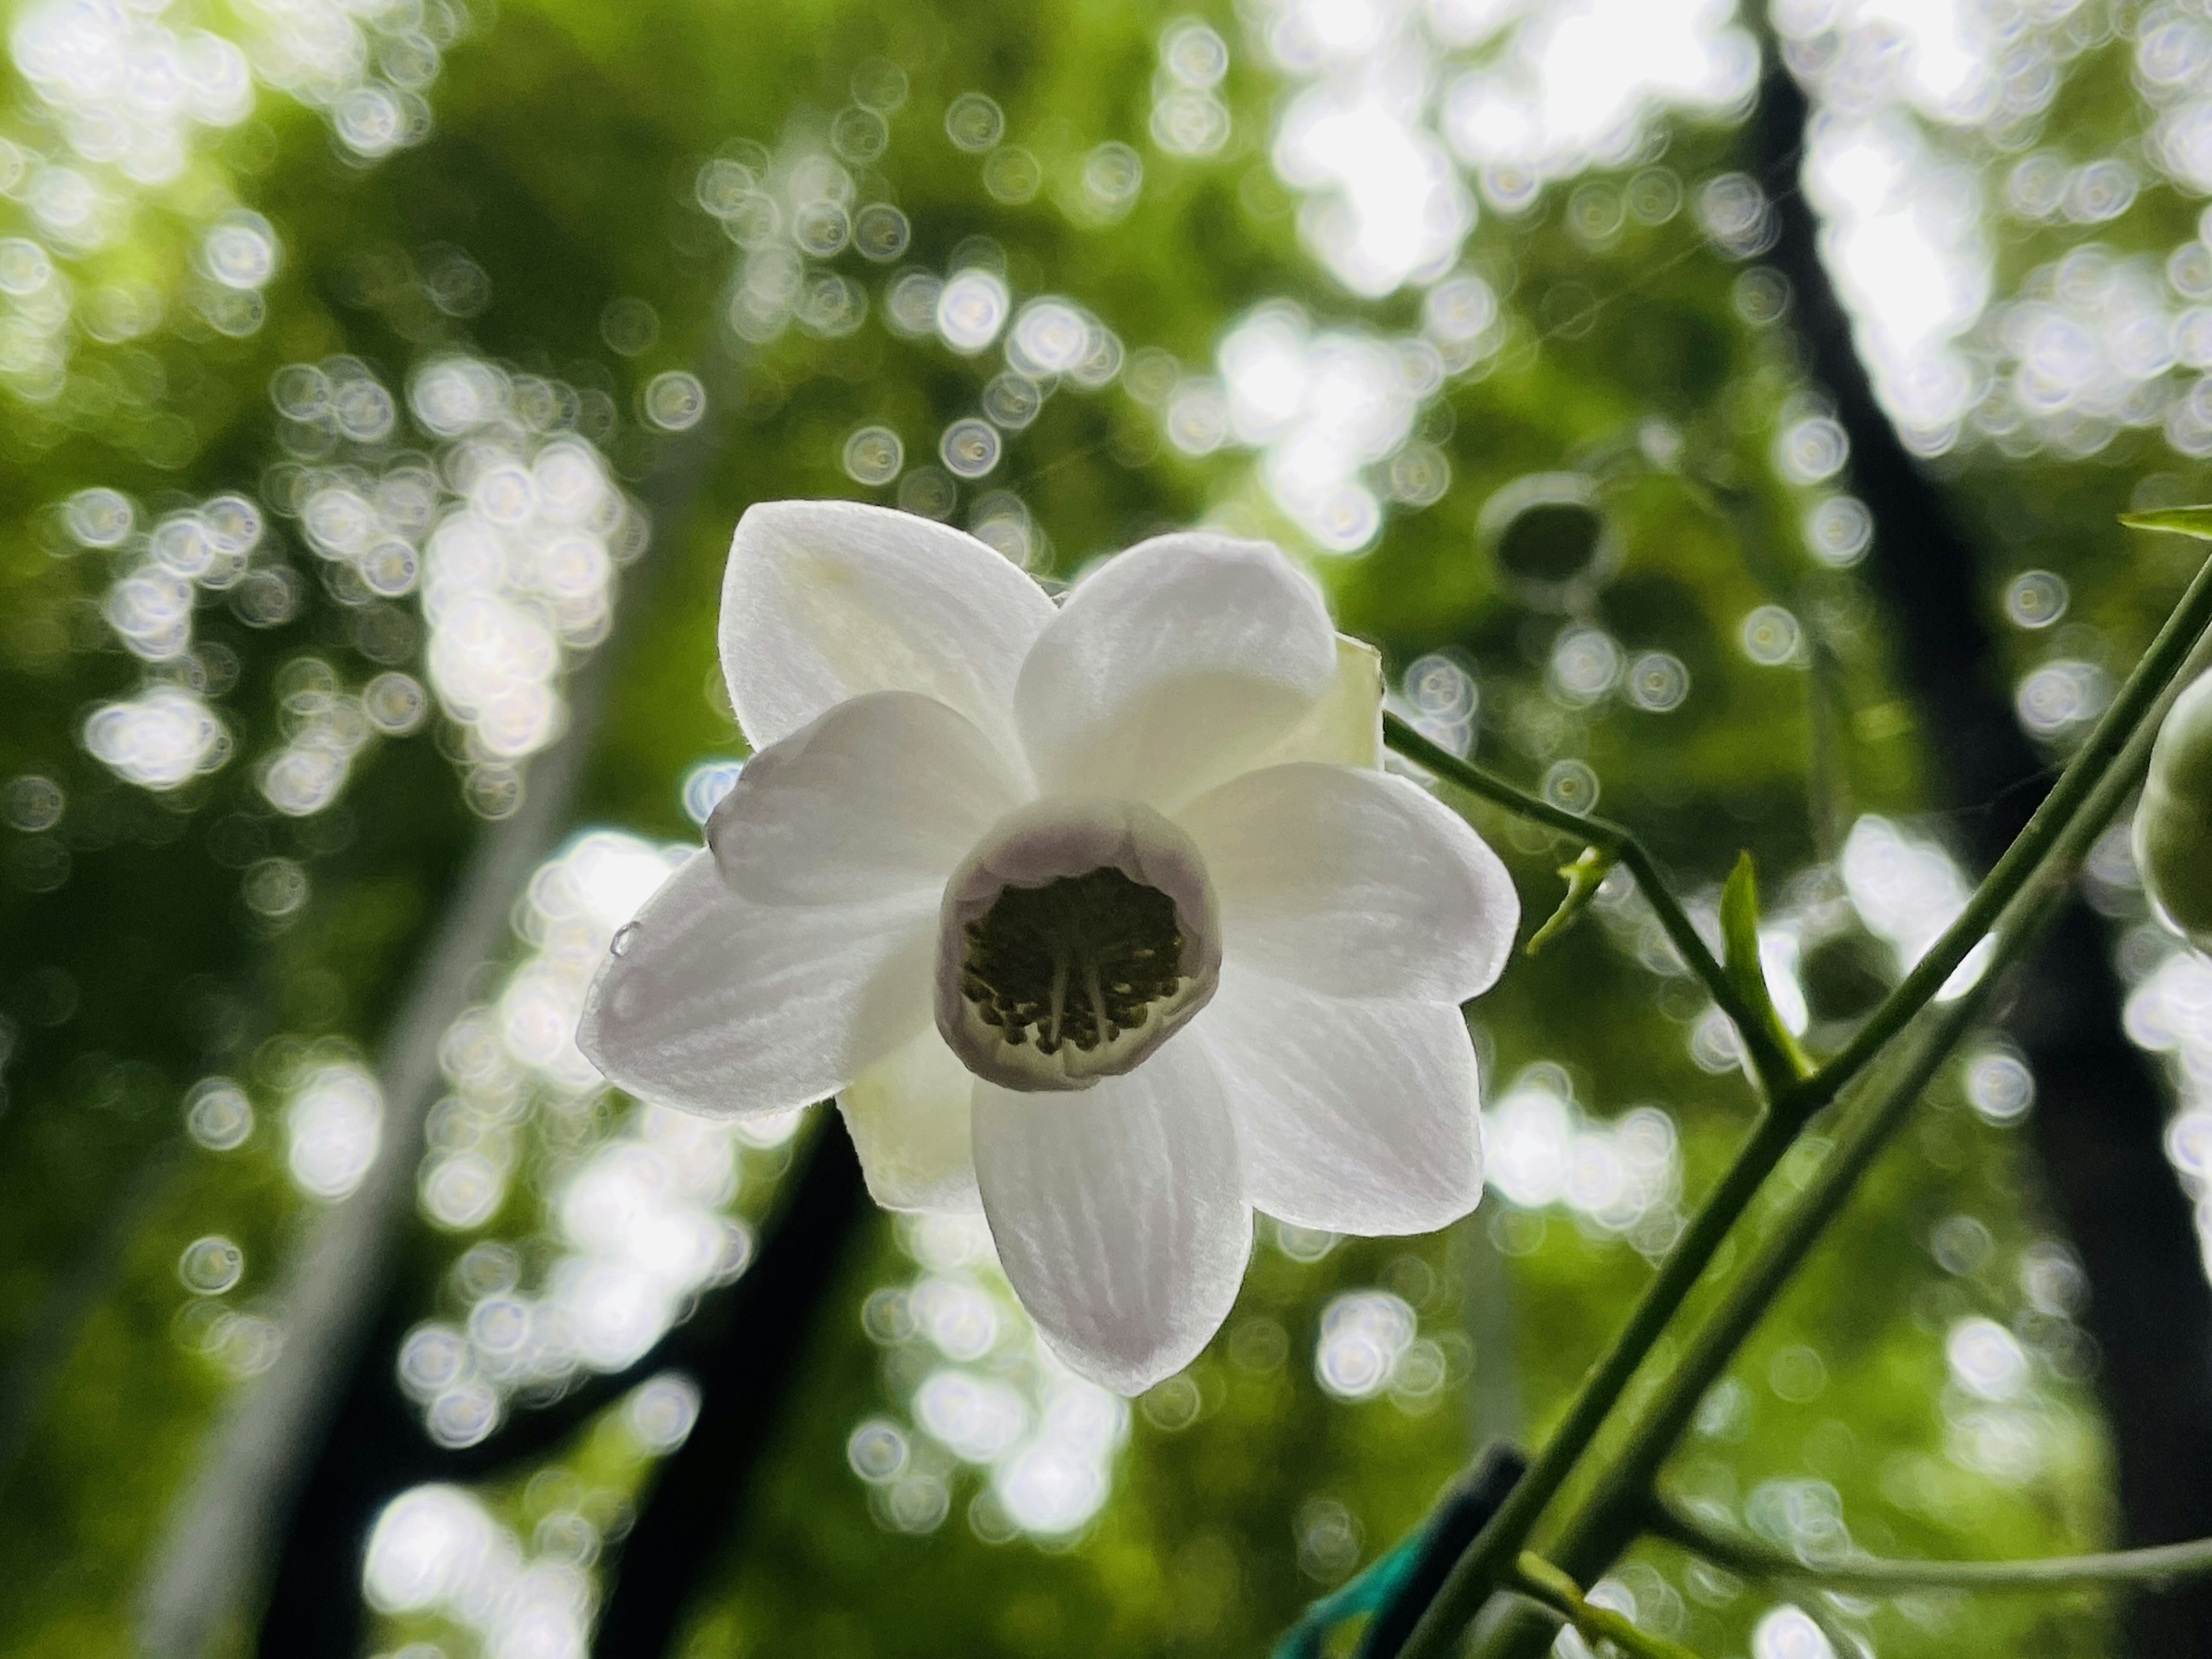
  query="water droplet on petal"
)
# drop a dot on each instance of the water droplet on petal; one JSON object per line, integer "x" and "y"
{"x": 624, "y": 938}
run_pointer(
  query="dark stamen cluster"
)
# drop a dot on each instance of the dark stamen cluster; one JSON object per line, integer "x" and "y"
{"x": 1079, "y": 960}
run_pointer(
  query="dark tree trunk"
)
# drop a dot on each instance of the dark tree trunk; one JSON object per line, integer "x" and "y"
{"x": 2100, "y": 1110}
{"x": 744, "y": 1380}
{"x": 740, "y": 1347}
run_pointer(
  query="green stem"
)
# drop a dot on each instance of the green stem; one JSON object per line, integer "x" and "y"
{"x": 1619, "y": 844}
{"x": 1608, "y": 1517}
{"x": 1500, "y": 1543}
{"x": 2084, "y": 773}
{"x": 1605, "y": 1521}
{"x": 1727, "y": 1547}
{"x": 1545, "y": 1585}
{"x": 2060, "y": 825}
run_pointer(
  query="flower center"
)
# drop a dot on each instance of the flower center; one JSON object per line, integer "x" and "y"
{"x": 1079, "y": 960}
{"x": 1075, "y": 941}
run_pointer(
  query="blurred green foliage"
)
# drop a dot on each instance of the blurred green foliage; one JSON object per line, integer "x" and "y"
{"x": 562, "y": 159}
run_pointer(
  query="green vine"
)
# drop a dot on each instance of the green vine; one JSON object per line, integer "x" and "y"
{"x": 2013, "y": 900}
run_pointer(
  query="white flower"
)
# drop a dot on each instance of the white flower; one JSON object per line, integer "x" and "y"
{"x": 1100, "y": 917}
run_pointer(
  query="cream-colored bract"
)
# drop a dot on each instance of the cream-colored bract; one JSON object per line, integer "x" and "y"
{"x": 912, "y": 698}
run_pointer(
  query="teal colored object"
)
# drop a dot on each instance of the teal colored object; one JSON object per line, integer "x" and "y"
{"x": 1367, "y": 1592}
{"x": 1396, "y": 1587}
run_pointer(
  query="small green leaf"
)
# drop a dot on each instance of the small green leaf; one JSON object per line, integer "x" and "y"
{"x": 1584, "y": 878}
{"x": 1740, "y": 931}
{"x": 1740, "y": 959}
{"x": 2183, "y": 520}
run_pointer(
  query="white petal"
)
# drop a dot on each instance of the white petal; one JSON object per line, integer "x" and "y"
{"x": 1346, "y": 727}
{"x": 1119, "y": 1214}
{"x": 910, "y": 1117}
{"x": 825, "y": 600}
{"x": 1359, "y": 1117}
{"x": 880, "y": 797}
{"x": 728, "y": 1008}
{"x": 1168, "y": 670}
{"x": 1355, "y": 883}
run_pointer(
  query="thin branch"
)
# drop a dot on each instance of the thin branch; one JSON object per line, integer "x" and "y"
{"x": 1500, "y": 1543}
{"x": 1739, "y": 1551}
{"x": 2085, "y": 773}
{"x": 1610, "y": 1516}
{"x": 1618, "y": 842}
{"x": 1545, "y": 1585}
{"x": 2095, "y": 783}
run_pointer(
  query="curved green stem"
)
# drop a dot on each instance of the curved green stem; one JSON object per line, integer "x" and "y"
{"x": 1608, "y": 1518}
{"x": 2153, "y": 673}
{"x": 1730, "y": 1547}
{"x": 1495, "y": 1550}
{"x": 1545, "y": 1585}
{"x": 1597, "y": 1529}
{"x": 1500, "y": 1543}
{"x": 1613, "y": 1512}
{"x": 1610, "y": 1513}
{"x": 1619, "y": 844}
{"x": 2087, "y": 794}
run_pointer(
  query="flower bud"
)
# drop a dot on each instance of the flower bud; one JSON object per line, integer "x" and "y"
{"x": 2174, "y": 824}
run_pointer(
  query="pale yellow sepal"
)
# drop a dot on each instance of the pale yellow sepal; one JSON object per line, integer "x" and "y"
{"x": 909, "y": 1115}
{"x": 1346, "y": 727}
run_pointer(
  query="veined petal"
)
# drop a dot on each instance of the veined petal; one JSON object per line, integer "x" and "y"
{"x": 728, "y": 1008}
{"x": 1354, "y": 882}
{"x": 1344, "y": 727}
{"x": 1119, "y": 1214}
{"x": 825, "y": 600}
{"x": 878, "y": 798}
{"x": 1167, "y": 671}
{"x": 1359, "y": 1117}
{"x": 910, "y": 1120}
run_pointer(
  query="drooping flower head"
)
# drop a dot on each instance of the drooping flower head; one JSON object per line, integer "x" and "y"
{"x": 1100, "y": 916}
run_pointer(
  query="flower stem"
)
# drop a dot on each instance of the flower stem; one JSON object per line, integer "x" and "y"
{"x": 1541, "y": 1582}
{"x": 1615, "y": 1510}
{"x": 1500, "y": 1543}
{"x": 2085, "y": 798}
{"x": 1605, "y": 1520}
{"x": 2084, "y": 773}
{"x": 1738, "y": 1552}
{"x": 1619, "y": 844}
